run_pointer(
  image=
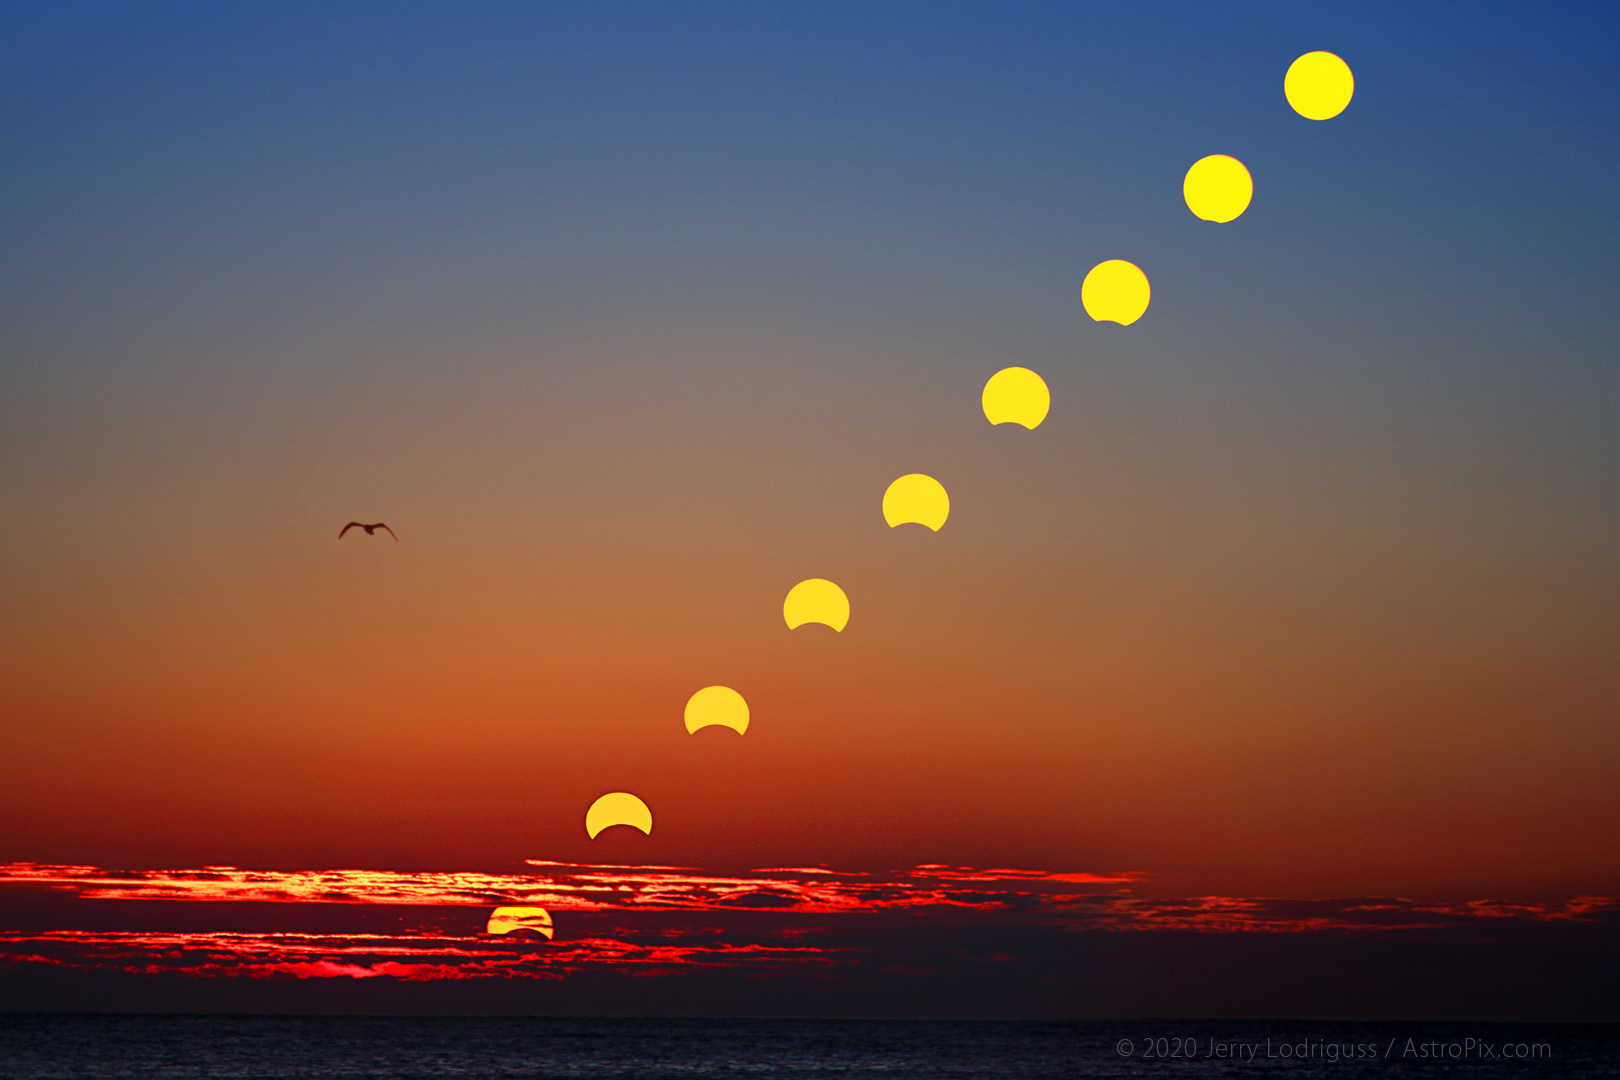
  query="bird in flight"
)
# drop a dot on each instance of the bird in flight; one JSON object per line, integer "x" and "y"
{"x": 371, "y": 530}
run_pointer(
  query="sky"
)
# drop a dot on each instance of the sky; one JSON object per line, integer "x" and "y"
{"x": 1306, "y": 592}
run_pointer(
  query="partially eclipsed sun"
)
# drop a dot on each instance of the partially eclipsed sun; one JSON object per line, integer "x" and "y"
{"x": 717, "y": 705}
{"x": 617, "y": 808}
{"x": 1115, "y": 291}
{"x": 816, "y": 600}
{"x": 1016, "y": 395}
{"x": 918, "y": 499}
{"x": 1319, "y": 85}
{"x": 505, "y": 920}
{"x": 1218, "y": 188}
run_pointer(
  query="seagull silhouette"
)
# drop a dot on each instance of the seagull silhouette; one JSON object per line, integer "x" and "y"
{"x": 371, "y": 530}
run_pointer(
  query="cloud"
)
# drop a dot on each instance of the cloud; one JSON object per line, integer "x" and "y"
{"x": 568, "y": 886}
{"x": 1228, "y": 914}
{"x": 272, "y": 955}
{"x": 427, "y": 927}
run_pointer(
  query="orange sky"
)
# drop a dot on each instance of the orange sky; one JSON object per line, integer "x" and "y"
{"x": 1187, "y": 656}
{"x": 1308, "y": 586}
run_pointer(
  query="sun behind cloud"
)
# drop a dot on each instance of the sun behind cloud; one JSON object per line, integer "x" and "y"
{"x": 507, "y": 920}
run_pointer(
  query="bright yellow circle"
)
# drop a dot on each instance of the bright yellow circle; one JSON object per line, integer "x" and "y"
{"x": 1016, "y": 395}
{"x": 1319, "y": 85}
{"x": 918, "y": 499}
{"x": 716, "y": 705}
{"x": 816, "y": 600}
{"x": 1115, "y": 291}
{"x": 1218, "y": 188}
{"x": 617, "y": 808}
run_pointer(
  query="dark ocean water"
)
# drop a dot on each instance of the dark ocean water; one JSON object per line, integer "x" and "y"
{"x": 71, "y": 1047}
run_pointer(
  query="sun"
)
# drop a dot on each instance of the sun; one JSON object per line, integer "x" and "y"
{"x": 1218, "y": 188}
{"x": 917, "y": 499}
{"x": 505, "y": 920}
{"x": 816, "y": 600}
{"x": 716, "y": 705}
{"x": 1115, "y": 291}
{"x": 1319, "y": 85}
{"x": 1016, "y": 395}
{"x": 617, "y": 808}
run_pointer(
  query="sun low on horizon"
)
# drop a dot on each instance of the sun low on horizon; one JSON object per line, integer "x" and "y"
{"x": 940, "y": 485}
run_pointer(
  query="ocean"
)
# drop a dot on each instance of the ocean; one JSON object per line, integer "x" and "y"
{"x": 92, "y": 1047}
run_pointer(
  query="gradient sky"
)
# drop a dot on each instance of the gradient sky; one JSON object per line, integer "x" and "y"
{"x": 624, "y": 316}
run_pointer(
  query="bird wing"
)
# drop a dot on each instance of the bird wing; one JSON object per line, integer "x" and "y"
{"x": 350, "y": 525}
{"x": 380, "y": 525}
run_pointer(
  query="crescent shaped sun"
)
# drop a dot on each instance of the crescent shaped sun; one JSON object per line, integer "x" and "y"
{"x": 617, "y": 808}
{"x": 506, "y": 920}
{"x": 716, "y": 706}
{"x": 916, "y": 499}
{"x": 816, "y": 600}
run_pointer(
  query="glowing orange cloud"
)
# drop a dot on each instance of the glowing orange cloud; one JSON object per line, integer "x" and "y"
{"x": 569, "y": 886}
{"x": 1074, "y": 896}
{"x": 661, "y": 920}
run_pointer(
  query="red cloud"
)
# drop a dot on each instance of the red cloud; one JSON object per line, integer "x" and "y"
{"x": 565, "y": 887}
{"x": 657, "y": 920}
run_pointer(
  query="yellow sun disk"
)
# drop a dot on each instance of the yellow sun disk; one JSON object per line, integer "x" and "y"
{"x": 916, "y": 499}
{"x": 617, "y": 808}
{"x": 717, "y": 705}
{"x": 504, "y": 920}
{"x": 1115, "y": 291}
{"x": 816, "y": 600}
{"x": 1016, "y": 395}
{"x": 1218, "y": 188}
{"x": 1319, "y": 85}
